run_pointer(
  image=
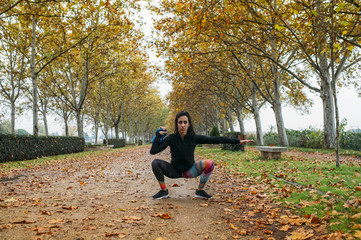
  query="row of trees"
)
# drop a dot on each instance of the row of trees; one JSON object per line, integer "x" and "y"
{"x": 77, "y": 59}
{"x": 235, "y": 56}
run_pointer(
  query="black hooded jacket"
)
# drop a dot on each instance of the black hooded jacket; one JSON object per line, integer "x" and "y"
{"x": 182, "y": 151}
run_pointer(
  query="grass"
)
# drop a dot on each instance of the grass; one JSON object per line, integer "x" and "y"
{"x": 7, "y": 166}
{"x": 306, "y": 185}
{"x": 345, "y": 152}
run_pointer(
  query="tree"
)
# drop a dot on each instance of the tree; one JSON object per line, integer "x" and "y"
{"x": 13, "y": 48}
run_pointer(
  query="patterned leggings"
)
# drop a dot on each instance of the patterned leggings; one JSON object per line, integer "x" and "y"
{"x": 203, "y": 168}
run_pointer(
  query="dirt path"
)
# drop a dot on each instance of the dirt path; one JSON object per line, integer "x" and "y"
{"x": 109, "y": 197}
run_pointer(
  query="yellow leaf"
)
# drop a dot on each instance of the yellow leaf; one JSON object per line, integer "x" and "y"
{"x": 356, "y": 216}
{"x": 233, "y": 227}
{"x": 301, "y": 234}
{"x": 162, "y": 215}
{"x": 278, "y": 27}
{"x": 243, "y": 232}
{"x": 285, "y": 228}
{"x": 59, "y": 220}
{"x": 357, "y": 234}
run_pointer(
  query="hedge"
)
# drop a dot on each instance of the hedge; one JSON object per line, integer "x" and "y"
{"x": 350, "y": 140}
{"x": 117, "y": 143}
{"x": 313, "y": 138}
{"x": 19, "y": 147}
{"x": 233, "y": 147}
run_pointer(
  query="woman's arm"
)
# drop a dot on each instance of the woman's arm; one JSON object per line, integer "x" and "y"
{"x": 158, "y": 143}
{"x": 201, "y": 139}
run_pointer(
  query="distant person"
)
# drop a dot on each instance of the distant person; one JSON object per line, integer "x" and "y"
{"x": 182, "y": 145}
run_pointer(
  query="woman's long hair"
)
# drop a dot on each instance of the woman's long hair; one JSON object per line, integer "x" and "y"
{"x": 190, "y": 128}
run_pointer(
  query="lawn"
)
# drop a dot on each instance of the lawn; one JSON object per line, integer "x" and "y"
{"x": 302, "y": 182}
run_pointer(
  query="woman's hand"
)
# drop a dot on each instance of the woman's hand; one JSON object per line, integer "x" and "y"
{"x": 164, "y": 130}
{"x": 245, "y": 141}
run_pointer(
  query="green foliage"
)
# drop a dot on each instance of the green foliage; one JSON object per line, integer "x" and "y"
{"x": 308, "y": 138}
{"x": 5, "y": 127}
{"x": 21, "y": 147}
{"x": 252, "y": 137}
{"x": 214, "y": 132}
{"x": 22, "y": 132}
{"x": 270, "y": 138}
{"x": 313, "y": 138}
{"x": 117, "y": 143}
{"x": 295, "y": 138}
{"x": 351, "y": 140}
{"x": 233, "y": 147}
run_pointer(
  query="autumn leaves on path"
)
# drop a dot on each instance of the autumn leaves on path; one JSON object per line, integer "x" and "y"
{"x": 108, "y": 196}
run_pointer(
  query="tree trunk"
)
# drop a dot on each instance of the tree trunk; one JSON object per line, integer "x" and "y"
{"x": 224, "y": 126}
{"x": 229, "y": 119}
{"x": 96, "y": 129}
{"x": 256, "y": 116}
{"x": 116, "y": 129}
{"x": 34, "y": 78}
{"x": 240, "y": 119}
{"x": 66, "y": 126}
{"x": 329, "y": 126}
{"x": 13, "y": 111}
{"x": 277, "y": 109}
{"x": 79, "y": 121}
{"x": 45, "y": 120}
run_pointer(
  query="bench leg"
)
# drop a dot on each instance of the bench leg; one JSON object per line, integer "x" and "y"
{"x": 271, "y": 155}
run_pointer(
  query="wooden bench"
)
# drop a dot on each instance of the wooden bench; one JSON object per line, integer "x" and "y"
{"x": 269, "y": 152}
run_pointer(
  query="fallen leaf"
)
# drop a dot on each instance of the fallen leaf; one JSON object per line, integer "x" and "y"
{"x": 8, "y": 226}
{"x": 162, "y": 215}
{"x": 315, "y": 220}
{"x": 233, "y": 227}
{"x": 42, "y": 230}
{"x": 23, "y": 221}
{"x": 356, "y": 226}
{"x": 296, "y": 222}
{"x": 358, "y": 188}
{"x": 111, "y": 234}
{"x": 300, "y": 234}
{"x": 10, "y": 200}
{"x": 70, "y": 207}
{"x": 59, "y": 220}
{"x": 204, "y": 204}
{"x": 91, "y": 228}
{"x": 356, "y": 216}
{"x": 243, "y": 232}
{"x": 268, "y": 232}
{"x": 45, "y": 213}
{"x": 285, "y": 228}
{"x": 357, "y": 234}
{"x": 132, "y": 218}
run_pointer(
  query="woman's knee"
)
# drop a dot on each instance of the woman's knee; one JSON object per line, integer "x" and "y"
{"x": 156, "y": 163}
{"x": 208, "y": 166}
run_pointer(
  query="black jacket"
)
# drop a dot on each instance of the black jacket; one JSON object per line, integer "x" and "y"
{"x": 182, "y": 152}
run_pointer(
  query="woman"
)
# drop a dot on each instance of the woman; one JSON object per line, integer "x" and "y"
{"x": 182, "y": 145}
